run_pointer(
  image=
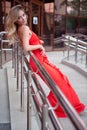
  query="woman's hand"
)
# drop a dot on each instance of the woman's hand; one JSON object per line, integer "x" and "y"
{"x": 42, "y": 48}
{"x": 42, "y": 42}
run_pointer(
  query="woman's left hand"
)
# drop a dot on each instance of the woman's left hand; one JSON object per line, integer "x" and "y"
{"x": 42, "y": 42}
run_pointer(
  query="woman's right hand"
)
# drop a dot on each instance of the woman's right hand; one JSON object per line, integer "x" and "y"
{"x": 42, "y": 48}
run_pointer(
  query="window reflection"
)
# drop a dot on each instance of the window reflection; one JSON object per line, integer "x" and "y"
{"x": 73, "y": 7}
{"x": 83, "y": 7}
{"x": 83, "y": 26}
{"x": 35, "y": 18}
{"x": 60, "y": 7}
{"x": 59, "y": 25}
{"x": 49, "y": 7}
{"x": 71, "y": 25}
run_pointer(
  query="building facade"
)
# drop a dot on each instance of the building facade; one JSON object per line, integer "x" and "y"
{"x": 50, "y": 19}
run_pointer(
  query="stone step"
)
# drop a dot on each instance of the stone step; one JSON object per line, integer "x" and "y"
{"x": 18, "y": 117}
{"x": 79, "y": 82}
{"x": 5, "y": 123}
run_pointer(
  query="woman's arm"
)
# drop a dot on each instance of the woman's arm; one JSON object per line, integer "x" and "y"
{"x": 26, "y": 34}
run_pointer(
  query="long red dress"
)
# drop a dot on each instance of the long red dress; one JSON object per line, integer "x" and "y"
{"x": 59, "y": 78}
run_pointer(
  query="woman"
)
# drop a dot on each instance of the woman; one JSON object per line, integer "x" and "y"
{"x": 16, "y": 25}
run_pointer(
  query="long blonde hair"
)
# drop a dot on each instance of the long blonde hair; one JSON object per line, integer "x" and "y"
{"x": 11, "y": 26}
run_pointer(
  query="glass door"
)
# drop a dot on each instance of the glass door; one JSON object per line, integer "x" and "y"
{"x": 37, "y": 18}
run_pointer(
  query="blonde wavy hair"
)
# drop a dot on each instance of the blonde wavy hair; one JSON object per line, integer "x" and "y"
{"x": 11, "y": 26}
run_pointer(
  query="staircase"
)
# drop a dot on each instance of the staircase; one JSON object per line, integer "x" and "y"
{"x": 5, "y": 122}
{"x": 12, "y": 118}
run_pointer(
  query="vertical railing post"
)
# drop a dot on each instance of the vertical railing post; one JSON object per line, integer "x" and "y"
{"x": 29, "y": 105}
{"x": 68, "y": 48}
{"x": 17, "y": 67}
{"x": 86, "y": 58}
{"x": 22, "y": 82}
{"x": 13, "y": 56}
{"x": 76, "y": 47}
{"x": 15, "y": 59}
{"x": 1, "y": 51}
{"x": 44, "y": 117}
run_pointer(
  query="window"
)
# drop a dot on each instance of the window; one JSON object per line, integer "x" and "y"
{"x": 83, "y": 7}
{"x": 60, "y": 7}
{"x": 72, "y": 7}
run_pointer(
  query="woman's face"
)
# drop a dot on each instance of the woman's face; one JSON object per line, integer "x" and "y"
{"x": 22, "y": 18}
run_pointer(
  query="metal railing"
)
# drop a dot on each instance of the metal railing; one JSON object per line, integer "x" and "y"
{"x": 42, "y": 108}
{"x": 3, "y": 42}
{"x": 45, "y": 106}
{"x": 78, "y": 43}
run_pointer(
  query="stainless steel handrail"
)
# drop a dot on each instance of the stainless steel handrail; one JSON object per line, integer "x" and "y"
{"x": 3, "y": 42}
{"x": 45, "y": 101}
{"x": 70, "y": 111}
{"x": 73, "y": 42}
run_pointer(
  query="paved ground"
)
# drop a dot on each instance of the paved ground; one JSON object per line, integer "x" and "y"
{"x": 78, "y": 81}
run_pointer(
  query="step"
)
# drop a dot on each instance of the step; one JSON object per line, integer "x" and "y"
{"x": 79, "y": 82}
{"x": 5, "y": 123}
{"x": 18, "y": 117}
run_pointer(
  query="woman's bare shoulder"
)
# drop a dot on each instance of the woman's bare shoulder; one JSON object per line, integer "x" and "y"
{"x": 24, "y": 28}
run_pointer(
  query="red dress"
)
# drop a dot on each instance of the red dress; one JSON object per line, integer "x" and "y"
{"x": 59, "y": 78}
